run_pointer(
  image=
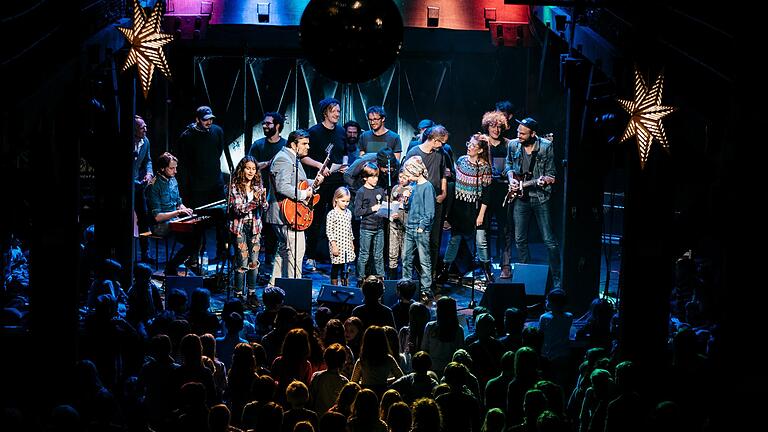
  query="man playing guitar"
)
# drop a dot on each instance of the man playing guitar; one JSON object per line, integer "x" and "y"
{"x": 530, "y": 167}
{"x": 285, "y": 174}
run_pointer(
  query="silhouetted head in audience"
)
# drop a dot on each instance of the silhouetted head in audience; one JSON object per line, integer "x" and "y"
{"x": 447, "y": 321}
{"x": 375, "y": 348}
{"x": 556, "y": 300}
{"x": 418, "y": 317}
{"x": 554, "y": 394}
{"x": 495, "y": 421}
{"x": 426, "y": 416}
{"x": 526, "y": 363}
{"x": 533, "y": 338}
{"x": 322, "y": 316}
{"x": 200, "y": 302}
{"x": 243, "y": 359}
{"x": 295, "y": 346}
{"x": 373, "y": 289}
{"x": 365, "y": 409}
{"x": 335, "y": 355}
{"x": 297, "y": 394}
{"x": 332, "y": 421}
{"x": 550, "y": 421}
{"x": 346, "y": 398}
{"x": 176, "y": 301}
{"x": 159, "y": 348}
{"x": 393, "y": 340}
{"x": 191, "y": 349}
{"x": 455, "y": 375}
{"x": 387, "y": 399}
{"x": 485, "y": 327}
{"x": 508, "y": 363}
{"x": 272, "y": 297}
{"x": 218, "y": 418}
{"x": 399, "y": 417}
{"x": 534, "y": 403}
{"x": 514, "y": 321}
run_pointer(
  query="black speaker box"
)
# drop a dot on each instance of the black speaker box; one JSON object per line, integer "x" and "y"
{"x": 500, "y": 296}
{"x": 340, "y": 295}
{"x": 534, "y": 276}
{"x": 183, "y": 283}
{"x": 298, "y": 292}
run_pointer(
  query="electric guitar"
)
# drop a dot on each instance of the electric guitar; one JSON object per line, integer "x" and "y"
{"x": 526, "y": 181}
{"x": 300, "y": 214}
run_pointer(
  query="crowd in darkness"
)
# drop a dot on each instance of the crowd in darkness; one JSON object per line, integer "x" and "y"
{"x": 169, "y": 363}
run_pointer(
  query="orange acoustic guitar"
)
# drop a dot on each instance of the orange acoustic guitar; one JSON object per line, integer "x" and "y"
{"x": 525, "y": 182}
{"x": 300, "y": 214}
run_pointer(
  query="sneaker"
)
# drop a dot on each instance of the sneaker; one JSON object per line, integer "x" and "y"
{"x": 310, "y": 265}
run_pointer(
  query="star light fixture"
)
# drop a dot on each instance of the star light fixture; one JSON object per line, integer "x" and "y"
{"x": 646, "y": 113}
{"x": 147, "y": 44}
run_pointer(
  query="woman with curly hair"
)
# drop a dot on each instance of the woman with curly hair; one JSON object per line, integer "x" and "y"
{"x": 246, "y": 200}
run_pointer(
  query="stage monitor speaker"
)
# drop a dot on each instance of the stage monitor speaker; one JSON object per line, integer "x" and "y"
{"x": 500, "y": 296}
{"x": 298, "y": 293}
{"x": 534, "y": 276}
{"x": 340, "y": 295}
{"x": 183, "y": 283}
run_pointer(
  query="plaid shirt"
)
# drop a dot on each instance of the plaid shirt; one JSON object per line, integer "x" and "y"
{"x": 242, "y": 210}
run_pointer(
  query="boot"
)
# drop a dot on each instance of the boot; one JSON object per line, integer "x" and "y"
{"x": 252, "y": 300}
{"x": 392, "y": 273}
{"x": 334, "y": 281}
{"x": 442, "y": 276}
{"x": 487, "y": 271}
{"x": 506, "y": 272}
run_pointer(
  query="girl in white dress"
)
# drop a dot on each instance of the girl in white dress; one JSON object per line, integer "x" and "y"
{"x": 338, "y": 228}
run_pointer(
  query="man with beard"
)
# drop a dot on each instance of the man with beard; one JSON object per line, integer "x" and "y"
{"x": 351, "y": 137}
{"x": 379, "y": 136}
{"x": 199, "y": 149}
{"x": 323, "y": 133}
{"x": 533, "y": 155}
{"x": 263, "y": 150}
{"x": 283, "y": 173}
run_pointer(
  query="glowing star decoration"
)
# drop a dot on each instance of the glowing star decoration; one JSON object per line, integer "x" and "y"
{"x": 147, "y": 44}
{"x": 646, "y": 111}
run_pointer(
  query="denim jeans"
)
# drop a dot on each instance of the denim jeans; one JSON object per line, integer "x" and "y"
{"x": 523, "y": 211}
{"x": 365, "y": 251}
{"x": 417, "y": 242}
{"x": 455, "y": 242}
{"x": 246, "y": 258}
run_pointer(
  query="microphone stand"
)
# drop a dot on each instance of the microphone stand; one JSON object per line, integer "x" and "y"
{"x": 472, "y": 303}
{"x": 389, "y": 217}
{"x": 230, "y": 257}
{"x": 296, "y": 214}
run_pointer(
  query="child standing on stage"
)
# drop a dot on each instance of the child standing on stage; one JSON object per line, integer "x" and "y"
{"x": 338, "y": 228}
{"x": 367, "y": 203}
{"x": 246, "y": 201}
{"x": 397, "y": 224}
{"x": 421, "y": 214}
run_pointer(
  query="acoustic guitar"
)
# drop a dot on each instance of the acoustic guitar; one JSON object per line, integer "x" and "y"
{"x": 525, "y": 182}
{"x": 300, "y": 214}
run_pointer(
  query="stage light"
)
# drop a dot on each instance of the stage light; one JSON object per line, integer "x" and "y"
{"x": 262, "y": 10}
{"x": 433, "y": 16}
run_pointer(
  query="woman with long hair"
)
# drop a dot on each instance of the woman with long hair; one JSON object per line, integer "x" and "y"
{"x": 247, "y": 199}
{"x": 443, "y": 336}
{"x": 472, "y": 197}
{"x": 376, "y": 365}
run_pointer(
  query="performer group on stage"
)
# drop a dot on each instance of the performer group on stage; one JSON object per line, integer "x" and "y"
{"x": 341, "y": 193}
